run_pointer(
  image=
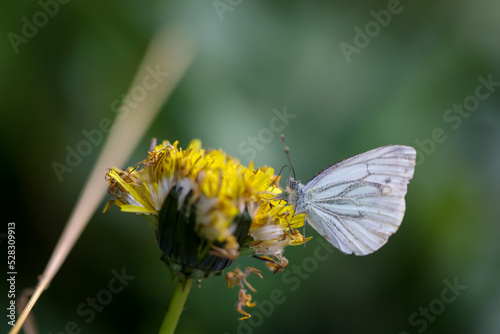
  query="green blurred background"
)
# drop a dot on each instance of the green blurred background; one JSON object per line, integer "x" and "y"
{"x": 255, "y": 57}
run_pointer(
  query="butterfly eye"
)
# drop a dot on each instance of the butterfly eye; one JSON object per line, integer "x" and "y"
{"x": 292, "y": 184}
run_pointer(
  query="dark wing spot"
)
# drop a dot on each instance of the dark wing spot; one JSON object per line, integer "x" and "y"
{"x": 387, "y": 180}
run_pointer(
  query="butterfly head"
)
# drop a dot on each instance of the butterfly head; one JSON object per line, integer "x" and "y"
{"x": 293, "y": 188}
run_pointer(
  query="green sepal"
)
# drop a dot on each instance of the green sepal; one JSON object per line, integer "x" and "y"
{"x": 183, "y": 250}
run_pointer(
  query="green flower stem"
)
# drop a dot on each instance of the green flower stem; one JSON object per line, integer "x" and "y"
{"x": 175, "y": 308}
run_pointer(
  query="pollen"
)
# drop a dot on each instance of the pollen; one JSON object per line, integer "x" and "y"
{"x": 207, "y": 209}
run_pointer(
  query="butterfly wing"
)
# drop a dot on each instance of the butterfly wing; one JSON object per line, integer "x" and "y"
{"x": 358, "y": 203}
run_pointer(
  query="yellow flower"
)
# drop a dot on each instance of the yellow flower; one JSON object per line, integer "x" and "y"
{"x": 207, "y": 208}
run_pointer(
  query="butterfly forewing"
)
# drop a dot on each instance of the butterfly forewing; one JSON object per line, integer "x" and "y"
{"x": 358, "y": 203}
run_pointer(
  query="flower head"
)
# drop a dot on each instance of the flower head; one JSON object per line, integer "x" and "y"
{"x": 207, "y": 208}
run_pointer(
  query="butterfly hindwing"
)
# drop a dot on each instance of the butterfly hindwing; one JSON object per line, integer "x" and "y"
{"x": 358, "y": 203}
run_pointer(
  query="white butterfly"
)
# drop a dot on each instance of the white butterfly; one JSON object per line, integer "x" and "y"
{"x": 358, "y": 203}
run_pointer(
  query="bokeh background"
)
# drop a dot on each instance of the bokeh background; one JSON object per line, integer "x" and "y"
{"x": 253, "y": 57}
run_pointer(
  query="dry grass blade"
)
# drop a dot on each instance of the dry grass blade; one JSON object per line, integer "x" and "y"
{"x": 171, "y": 50}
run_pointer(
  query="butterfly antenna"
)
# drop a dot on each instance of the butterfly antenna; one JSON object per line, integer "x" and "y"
{"x": 287, "y": 152}
{"x": 277, "y": 176}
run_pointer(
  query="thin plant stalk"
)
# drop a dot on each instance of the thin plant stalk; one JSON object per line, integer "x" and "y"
{"x": 175, "y": 307}
{"x": 172, "y": 50}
